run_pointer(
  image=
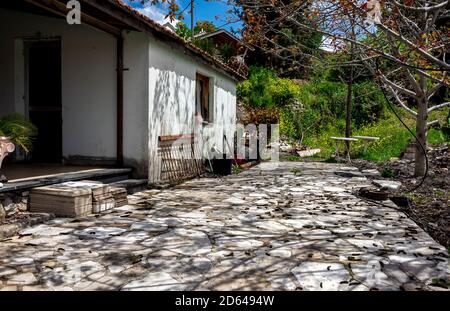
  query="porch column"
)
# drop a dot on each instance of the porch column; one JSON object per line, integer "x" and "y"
{"x": 119, "y": 70}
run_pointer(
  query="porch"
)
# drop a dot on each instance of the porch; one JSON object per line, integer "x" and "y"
{"x": 68, "y": 81}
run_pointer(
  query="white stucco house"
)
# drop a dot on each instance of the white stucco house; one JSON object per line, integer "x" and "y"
{"x": 107, "y": 90}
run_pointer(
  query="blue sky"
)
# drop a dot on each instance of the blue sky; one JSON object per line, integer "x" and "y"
{"x": 213, "y": 11}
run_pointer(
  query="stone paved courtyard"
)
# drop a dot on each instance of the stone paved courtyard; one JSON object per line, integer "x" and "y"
{"x": 297, "y": 227}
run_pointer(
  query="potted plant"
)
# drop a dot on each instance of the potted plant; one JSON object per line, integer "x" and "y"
{"x": 15, "y": 130}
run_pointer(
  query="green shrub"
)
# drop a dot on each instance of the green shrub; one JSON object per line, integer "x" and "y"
{"x": 313, "y": 111}
{"x": 19, "y": 130}
{"x": 393, "y": 138}
{"x": 289, "y": 123}
{"x": 368, "y": 103}
{"x": 446, "y": 132}
{"x": 206, "y": 45}
{"x": 308, "y": 108}
{"x": 254, "y": 91}
{"x": 436, "y": 136}
{"x": 226, "y": 51}
{"x": 283, "y": 91}
{"x": 319, "y": 103}
{"x": 323, "y": 102}
{"x": 264, "y": 89}
{"x": 329, "y": 96}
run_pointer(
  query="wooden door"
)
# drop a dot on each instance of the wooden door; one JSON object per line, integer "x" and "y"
{"x": 44, "y": 99}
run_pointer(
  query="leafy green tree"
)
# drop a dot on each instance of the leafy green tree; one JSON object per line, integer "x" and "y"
{"x": 201, "y": 26}
{"x": 279, "y": 43}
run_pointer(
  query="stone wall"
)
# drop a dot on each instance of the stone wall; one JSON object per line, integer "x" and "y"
{"x": 12, "y": 203}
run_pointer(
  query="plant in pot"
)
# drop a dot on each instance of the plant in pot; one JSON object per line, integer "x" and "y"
{"x": 15, "y": 130}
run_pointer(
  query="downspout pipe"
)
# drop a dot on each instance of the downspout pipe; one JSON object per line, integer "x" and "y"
{"x": 119, "y": 79}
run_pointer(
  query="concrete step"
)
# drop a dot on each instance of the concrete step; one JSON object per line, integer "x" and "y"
{"x": 132, "y": 185}
{"x": 108, "y": 175}
{"x": 116, "y": 176}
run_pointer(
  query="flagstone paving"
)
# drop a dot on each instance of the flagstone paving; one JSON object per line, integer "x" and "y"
{"x": 296, "y": 226}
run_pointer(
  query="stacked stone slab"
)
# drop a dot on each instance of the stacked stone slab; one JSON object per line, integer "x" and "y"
{"x": 106, "y": 197}
{"x": 66, "y": 200}
{"x": 74, "y": 199}
{"x": 102, "y": 199}
{"x": 120, "y": 196}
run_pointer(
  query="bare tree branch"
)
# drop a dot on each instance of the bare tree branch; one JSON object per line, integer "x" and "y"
{"x": 438, "y": 106}
{"x": 399, "y": 88}
{"x": 431, "y": 123}
{"x": 401, "y": 103}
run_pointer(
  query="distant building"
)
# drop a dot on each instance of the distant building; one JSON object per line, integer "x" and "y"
{"x": 223, "y": 37}
{"x": 170, "y": 27}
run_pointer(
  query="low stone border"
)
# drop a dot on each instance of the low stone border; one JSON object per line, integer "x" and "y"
{"x": 249, "y": 165}
{"x": 29, "y": 219}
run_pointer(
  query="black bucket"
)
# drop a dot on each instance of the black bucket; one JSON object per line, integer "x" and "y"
{"x": 401, "y": 201}
{"x": 222, "y": 167}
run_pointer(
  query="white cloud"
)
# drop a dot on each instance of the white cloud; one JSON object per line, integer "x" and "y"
{"x": 157, "y": 14}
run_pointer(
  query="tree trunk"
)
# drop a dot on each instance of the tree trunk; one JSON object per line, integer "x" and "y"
{"x": 421, "y": 133}
{"x": 348, "y": 113}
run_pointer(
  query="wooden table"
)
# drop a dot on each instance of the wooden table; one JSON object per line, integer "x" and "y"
{"x": 366, "y": 140}
{"x": 342, "y": 139}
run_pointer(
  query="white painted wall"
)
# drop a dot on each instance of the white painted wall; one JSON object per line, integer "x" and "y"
{"x": 159, "y": 90}
{"x": 172, "y": 100}
{"x": 88, "y": 80}
{"x": 135, "y": 114}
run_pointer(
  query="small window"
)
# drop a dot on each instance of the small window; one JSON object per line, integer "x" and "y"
{"x": 202, "y": 98}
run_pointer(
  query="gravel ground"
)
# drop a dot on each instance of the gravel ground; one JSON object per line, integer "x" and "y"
{"x": 429, "y": 205}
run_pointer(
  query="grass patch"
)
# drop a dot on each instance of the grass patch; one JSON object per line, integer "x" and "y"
{"x": 436, "y": 136}
{"x": 291, "y": 158}
{"x": 393, "y": 138}
{"x": 236, "y": 169}
{"x": 419, "y": 199}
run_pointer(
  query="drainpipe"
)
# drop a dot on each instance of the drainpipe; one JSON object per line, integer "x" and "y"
{"x": 119, "y": 73}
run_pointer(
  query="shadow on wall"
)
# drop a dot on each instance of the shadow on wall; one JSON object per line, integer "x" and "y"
{"x": 173, "y": 111}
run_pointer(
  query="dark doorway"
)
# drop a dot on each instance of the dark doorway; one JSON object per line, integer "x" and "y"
{"x": 44, "y": 98}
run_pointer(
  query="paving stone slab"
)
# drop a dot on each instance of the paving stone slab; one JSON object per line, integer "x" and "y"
{"x": 99, "y": 232}
{"x": 155, "y": 281}
{"x": 290, "y": 226}
{"x": 150, "y": 225}
{"x": 182, "y": 241}
{"x": 321, "y": 276}
{"x": 22, "y": 279}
